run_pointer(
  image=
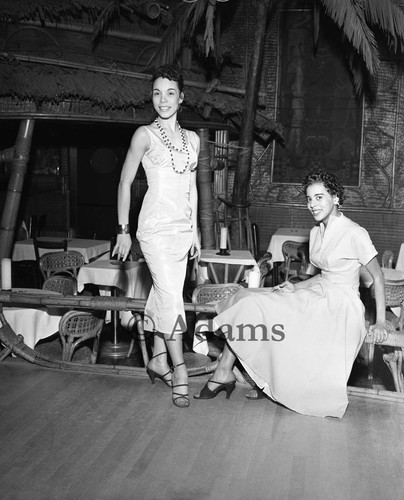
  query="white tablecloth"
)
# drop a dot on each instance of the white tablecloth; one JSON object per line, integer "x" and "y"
{"x": 133, "y": 278}
{"x": 241, "y": 258}
{"x": 284, "y": 234}
{"x": 32, "y": 323}
{"x": 91, "y": 249}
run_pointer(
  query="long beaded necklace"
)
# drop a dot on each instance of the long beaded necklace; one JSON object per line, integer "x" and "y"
{"x": 171, "y": 147}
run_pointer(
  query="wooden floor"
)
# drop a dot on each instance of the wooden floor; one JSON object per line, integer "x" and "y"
{"x": 67, "y": 435}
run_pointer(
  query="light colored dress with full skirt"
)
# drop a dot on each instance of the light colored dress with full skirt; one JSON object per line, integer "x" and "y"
{"x": 300, "y": 346}
{"x": 165, "y": 230}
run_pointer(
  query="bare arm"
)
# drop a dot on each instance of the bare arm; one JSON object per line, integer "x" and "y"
{"x": 138, "y": 146}
{"x": 378, "y": 328}
{"x": 196, "y": 246}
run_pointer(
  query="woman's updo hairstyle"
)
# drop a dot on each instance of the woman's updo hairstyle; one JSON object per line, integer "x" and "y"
{"x": 329, "y": 180}
{"x": 170, "y": 72}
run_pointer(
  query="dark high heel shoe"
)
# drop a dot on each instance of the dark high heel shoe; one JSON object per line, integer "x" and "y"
{"x": 207, "y": 393}
{"x": 180, "y": 400}
{"x": 153, "y": 374}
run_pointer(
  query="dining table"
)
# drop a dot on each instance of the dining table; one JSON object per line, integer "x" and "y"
{"x": 33, "y": 323}
{"x": 213, "y": 260}
{"x": 116, "y": 277}
{"x": 91, "y": 249}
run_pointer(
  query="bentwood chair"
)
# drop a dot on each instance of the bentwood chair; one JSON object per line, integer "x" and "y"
{"x": 388, "y": 258}
{"x": 66, "y": 263}
{"x": 296, "y": 256}
{"x": 76, "y": 327}
{"x": 43, "y": 244}
{"x": 394, "y": 292}
{"x": 207, "y": 292}
{"x": 66, "y": 285}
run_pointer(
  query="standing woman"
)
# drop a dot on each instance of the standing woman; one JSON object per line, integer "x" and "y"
{"x": 167, "y": 226}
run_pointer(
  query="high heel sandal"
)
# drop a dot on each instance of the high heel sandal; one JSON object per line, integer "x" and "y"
{"x": 180, "y": 400}
{"x": 207, "y": 393}
{"x": 153, "y": 374}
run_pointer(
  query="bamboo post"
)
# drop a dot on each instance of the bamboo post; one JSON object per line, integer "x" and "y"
{"x": 97, "y": 303}
{"x": 15, "y": 185}
{"x": 205, "y": 197}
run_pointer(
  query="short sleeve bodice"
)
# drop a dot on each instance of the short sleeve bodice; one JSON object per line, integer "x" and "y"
{"x": 340, "y": 249}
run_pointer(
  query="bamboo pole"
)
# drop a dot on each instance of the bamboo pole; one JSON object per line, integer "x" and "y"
{"x": 98, "y": 303}
{"x": 205, "y": 197}
{"x": 15, "y": 185}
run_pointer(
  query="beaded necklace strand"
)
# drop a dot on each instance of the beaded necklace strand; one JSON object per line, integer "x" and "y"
{"x": 171, "y": 147}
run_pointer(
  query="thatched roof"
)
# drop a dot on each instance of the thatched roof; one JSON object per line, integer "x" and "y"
{"x": 17, "y": 10}
{"x": 51, "y": 83}
{"x": 84, "y": 87}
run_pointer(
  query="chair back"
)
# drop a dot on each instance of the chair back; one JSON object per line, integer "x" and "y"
{"x": 45, "y": 244}
{"x": 36, "y": 225}
{"x": 265, "y": 266}
{"x": 214, "y": 292}
{"x": 77, "y": 326}
{"x": 65, "y": 262}
{"x": 66, "y": 285}
{"x": 388, "y": 258}
{"x": 294, "y": 251}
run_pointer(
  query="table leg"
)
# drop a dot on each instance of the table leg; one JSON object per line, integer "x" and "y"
{"x": 117, "y": 348}
{"x": 212, "y": 269}
{"x": 226, "y": 273}
{"x": 238, "y": 275}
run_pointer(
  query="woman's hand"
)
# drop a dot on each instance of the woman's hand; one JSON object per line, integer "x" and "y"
{"x": 195, "y": 251}
{"x": 379, "y": 332}
{"x": 286, "y": 286}
{"x": 123, "y": 246}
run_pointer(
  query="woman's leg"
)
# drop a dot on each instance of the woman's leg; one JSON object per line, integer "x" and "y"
{"x": 180, "y": 372}
{"x": 223, "y": 376}
{"x": 159, "y": 362}
{"x": 224, "y": 371}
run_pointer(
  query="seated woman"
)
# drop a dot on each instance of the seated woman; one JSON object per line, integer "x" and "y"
{"x": 298, "y": 341}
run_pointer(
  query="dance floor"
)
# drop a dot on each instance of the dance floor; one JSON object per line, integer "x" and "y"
{"x": 79, "y": 436}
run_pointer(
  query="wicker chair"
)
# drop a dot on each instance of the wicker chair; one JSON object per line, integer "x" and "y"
{"x": 66, "y": 263}
{"x": 66, "y": 285}
{"x": 212, "y": 293}
{"x": 394, "y": 292}
{"x": 77, "y": 326}
{"x": 296, "y": 256}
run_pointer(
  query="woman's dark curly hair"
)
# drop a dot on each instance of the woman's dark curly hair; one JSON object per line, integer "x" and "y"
{"x": 329, "y": 180}
{"x": 170, "y": 72}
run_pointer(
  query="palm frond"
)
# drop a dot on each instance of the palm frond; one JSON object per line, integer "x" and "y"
{"x": 108, "y": 15}
{"x": 200, "y": 8}
{"x": 389, "y": 16}
{"x": 358, "y": 72}
{"x": 349, "y": 16}
{"x": 209, "y": 28}
{"x": 187, "y": 16}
